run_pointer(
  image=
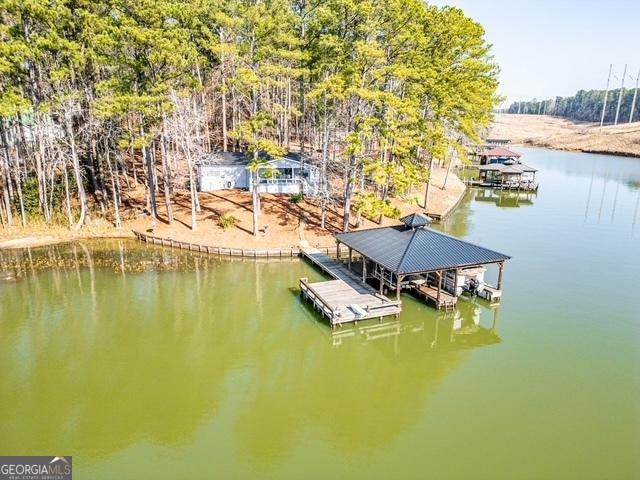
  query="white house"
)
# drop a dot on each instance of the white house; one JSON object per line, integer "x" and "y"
{"x": 224, "y": 170}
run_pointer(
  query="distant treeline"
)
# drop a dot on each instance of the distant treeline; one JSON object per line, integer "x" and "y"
{"x": 586, "y": 105}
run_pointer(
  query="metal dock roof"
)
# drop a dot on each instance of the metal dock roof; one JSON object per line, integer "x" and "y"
{"x": 404, "y": 251}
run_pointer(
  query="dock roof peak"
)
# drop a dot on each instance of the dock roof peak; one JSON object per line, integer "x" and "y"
{"x": 415, "y": 220}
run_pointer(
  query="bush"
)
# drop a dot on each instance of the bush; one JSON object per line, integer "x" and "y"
{"x": 226, "y": 220}
{"x": 57, "y": 197}
{"x": 295, "y": 198}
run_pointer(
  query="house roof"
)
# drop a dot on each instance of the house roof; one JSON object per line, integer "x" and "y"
{"x": 225, "y": 158}
{"x": 239, "y": 158}
{"x": 507, "y": 168}
{"x": 526, "y": 168}
{"x": 491, "y": 167}
{"x": 501, "y": 152}
{"x": 415, "y": 220}
{"x": 405, "y": 251}
{"x": 512, "y": 169}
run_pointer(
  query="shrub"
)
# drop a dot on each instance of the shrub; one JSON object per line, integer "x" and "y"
{"x": 295, "y": 198}
{"x": 226, "y": 220}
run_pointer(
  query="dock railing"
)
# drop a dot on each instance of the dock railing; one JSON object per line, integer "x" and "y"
{"x": 227, "y": 251}
{"x": 307, "y": 291}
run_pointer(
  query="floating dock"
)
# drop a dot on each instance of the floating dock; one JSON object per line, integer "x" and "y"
{"x": 346, "y": 298}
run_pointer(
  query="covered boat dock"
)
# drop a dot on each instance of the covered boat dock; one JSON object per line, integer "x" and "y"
{"x": 431, "y": 264}
{"x": 508, "y": 176}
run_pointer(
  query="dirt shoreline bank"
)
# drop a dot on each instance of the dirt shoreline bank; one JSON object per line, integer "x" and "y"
{"x": 560, "y": 134}
{"x": 284, "y": 224}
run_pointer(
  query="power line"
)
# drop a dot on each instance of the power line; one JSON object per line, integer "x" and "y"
{"x": 624, "y": 74}
{"x": 606, "y": 93}
{"x": 635, "y": 95}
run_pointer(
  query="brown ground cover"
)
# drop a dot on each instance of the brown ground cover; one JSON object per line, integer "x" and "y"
{"x": 287, "y": 224}
{"x": 558, "y": 133}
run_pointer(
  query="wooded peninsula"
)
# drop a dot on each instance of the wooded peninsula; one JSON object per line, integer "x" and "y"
{"x": 101, "y": 99}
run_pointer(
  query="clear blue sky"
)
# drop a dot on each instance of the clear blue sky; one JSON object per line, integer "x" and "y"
{"x": 547, "y": 48}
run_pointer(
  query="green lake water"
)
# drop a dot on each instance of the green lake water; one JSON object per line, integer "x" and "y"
{"x": 144, "y": 362}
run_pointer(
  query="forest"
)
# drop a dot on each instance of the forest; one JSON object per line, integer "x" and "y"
{"x": 584, "y": 106}
{"x": 99, "y": 98}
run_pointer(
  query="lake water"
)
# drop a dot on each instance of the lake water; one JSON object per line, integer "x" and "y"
{"x": 143, "y": 362}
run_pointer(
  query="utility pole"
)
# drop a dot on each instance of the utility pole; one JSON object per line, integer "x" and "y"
{"x": 606, "y": 93}
{"x": 635, "y": 95}
{"x": 624, "y": 74}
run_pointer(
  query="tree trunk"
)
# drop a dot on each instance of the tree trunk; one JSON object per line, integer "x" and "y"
{"x": 195, "y": 205}
{"x": 7, "y": 200}
{"x": 225, "y": 135}
{"x": 40, "y": 175}
{"x": 151, "y": 187}
{"x": 18, "y": 183}
{"x": 446, "y": 177}
{"x": 255, "y": 197}
{"x": 13, "y": 173}
{"x": 323, "y": 172}
{"x": 428, "y": 185}
{"x": 6, "y": 179}
{"x": 166, "y": 173}
{"x": 348, "y": 192}
{"x": 67, "y": 196}
{"x": 115, "y": 193}
{"x": 82, "y": 197}
{"x": 194, "y": 195}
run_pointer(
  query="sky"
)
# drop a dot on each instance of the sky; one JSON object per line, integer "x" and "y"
{"x": 546, "y": 48}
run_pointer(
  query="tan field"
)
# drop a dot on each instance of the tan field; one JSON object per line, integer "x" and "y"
{"x": 552, "y": 132}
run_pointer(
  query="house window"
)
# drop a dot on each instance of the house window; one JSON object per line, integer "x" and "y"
{"x": 285, "y": 173}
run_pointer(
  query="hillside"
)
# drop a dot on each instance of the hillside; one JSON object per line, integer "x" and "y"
{"x": 558, "y": 133}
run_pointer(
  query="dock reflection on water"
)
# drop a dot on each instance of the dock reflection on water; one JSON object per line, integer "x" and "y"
{"x": 505, "y": 198}
{"x": 458, "y": 329}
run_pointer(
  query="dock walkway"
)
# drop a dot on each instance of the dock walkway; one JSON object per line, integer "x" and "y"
{"x": 347, "y": 298}
{"x": 336, "y": 269}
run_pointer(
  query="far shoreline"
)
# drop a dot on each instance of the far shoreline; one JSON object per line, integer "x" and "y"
{"x": 555, "y": 133}
{"x": 601, "y": 153}
{"x": 541, "y": 146}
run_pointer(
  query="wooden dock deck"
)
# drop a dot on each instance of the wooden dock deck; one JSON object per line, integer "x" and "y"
{"x": 342, "y": 304}
{"x": 347, "y": 298}
{"x": 522, "y": 187}
{"x": 336, "y": 269}
{"x": 445, "y": 301}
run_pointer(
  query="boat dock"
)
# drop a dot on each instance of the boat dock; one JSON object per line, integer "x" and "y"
{"x": 346, "y": 298}
{"x": 413, "y": 257}
{"x": 335, "y": 269}
{"x": 440, "y": 298}
{"x": 523, "y": 186}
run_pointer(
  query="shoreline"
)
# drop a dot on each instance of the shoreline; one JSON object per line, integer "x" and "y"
{"x": 35, "y": 240}
{"x": 533, "y": 143}
{"x": 555, "y": 133}
{"x": 289, "y": 225}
